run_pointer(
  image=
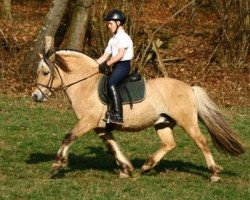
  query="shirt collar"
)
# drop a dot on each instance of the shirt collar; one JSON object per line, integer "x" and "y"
{"x": 119, "y": 32}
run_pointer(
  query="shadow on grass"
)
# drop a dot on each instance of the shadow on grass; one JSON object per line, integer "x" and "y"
{"x": 102, "y": 160}
{"x": 97, "y": 158}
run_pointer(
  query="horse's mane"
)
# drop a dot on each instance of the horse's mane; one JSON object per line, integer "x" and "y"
{"x": 55, "y": 56}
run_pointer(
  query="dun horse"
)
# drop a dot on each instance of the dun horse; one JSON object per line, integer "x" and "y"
{"x": 168, "y": 102}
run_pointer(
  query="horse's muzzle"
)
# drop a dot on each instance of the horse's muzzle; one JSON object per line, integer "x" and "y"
{"x": 35, "y": 98}
{"x": 39, "y": 96}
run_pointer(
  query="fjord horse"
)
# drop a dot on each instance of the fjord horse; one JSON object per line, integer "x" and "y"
{"x": 168, "y": 102}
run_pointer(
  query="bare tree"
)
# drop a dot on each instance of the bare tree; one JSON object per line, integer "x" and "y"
{"x": 46, "y": 37}
{"x": 5, "y": 9}
{"x": 235, "y": 37}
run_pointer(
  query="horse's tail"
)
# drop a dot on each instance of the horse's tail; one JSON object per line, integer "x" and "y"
{"x": 222, "y": 135}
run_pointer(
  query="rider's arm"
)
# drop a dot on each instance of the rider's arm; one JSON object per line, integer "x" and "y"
{"x": 103, "y": 58}
{"x": 116, "y": 58}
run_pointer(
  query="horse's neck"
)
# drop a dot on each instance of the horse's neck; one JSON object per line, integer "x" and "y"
{"x": 80, "y": 76}
{"x": 80, "y": 68}
{"x": 83, "y": 90}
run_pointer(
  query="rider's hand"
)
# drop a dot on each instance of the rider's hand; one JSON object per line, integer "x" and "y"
{"x": 103, "y": 68}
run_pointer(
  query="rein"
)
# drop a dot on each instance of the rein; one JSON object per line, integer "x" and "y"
{"x": 69, "y": 85}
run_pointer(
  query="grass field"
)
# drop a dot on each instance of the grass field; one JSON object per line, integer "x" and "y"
{"x": 31, "y": 134}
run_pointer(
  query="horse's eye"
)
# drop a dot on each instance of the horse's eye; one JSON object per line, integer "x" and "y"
{"x": 45, "y": 73}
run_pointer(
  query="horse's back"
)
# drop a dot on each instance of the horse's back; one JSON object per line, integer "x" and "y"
{"x": 170, "y": 88}
{"x": 178, "y": 97}
{"x": 168, "y": 83}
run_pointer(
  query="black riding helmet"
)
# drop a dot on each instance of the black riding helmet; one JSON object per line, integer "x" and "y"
{"x": 116, "y": 15}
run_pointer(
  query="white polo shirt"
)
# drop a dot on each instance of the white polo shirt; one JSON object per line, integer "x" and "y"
{"x": 119, "y": 41}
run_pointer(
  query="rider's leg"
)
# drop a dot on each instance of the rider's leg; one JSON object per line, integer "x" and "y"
{"x": 116, "y": 114}
{"x": 120, "y": 71}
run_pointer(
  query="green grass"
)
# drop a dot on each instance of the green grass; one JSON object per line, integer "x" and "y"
{"x": 31, "y": 134}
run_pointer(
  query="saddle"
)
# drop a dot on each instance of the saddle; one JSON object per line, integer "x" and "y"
{"x": 131, "y": 89}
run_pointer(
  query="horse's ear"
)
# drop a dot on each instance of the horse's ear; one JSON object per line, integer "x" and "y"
{"x": 40, "y": 55}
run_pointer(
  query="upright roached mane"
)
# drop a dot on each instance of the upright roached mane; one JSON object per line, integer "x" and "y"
{"x": 51, "y": 59}
{"x": 168, "y": 102}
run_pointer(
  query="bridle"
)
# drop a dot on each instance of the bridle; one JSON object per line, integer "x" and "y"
{"x": 50, "y": 82}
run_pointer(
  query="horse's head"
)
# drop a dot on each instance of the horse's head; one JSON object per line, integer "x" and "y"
{"x": 48, "y": 76}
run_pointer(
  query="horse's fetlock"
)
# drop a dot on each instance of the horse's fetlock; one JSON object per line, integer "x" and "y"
{"x": 215, "y": 169}
{"x": 58, "y": 158}
{"x": 61, "y": 160}
{"x": 218, "y": 168}
{"x": 125, "y": 166}
{"x": 64, "y": 162}
{"x": 56, "y": 166}
{"x": 150, "y": 161}
{"x": 129, "y": 170}
{"x": 126, "y": 172}
{"x": 148, "y": 165}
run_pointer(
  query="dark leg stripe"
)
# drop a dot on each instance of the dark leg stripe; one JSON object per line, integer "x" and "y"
{"x": 68, "y": 139}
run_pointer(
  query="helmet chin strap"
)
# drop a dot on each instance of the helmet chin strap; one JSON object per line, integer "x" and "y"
{"x": 117, "y": 26}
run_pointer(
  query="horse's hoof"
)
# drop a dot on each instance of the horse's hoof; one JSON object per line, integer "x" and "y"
{"x": 215, "y": 178}
{"x": 54, "y": 174}
{"x": 123, "y": 175}
{"x": 145, "y": 169}
{"x": 218, "y": 168}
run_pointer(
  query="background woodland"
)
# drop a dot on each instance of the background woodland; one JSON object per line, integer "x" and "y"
{"x": 201, "y": 42}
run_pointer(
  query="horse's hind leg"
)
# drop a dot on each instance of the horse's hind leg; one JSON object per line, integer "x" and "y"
{"x": 164, "y": 131}
{"x": 201, "y": 141}
{"x": 125, "y": 165}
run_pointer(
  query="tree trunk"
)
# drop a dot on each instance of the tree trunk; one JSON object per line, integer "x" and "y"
{"x": 193, "y": 13}
{"x": 78, "y": 25}
{"x": 45, "y": 39}
{"x": 234, "y": 43}
{"x": 5, "y": 11}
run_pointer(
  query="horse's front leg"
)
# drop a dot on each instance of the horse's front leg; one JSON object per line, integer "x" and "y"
{"x": 83, "y": 126}
{"x": 62, "y": 155}
{"x": 125, "y": 165}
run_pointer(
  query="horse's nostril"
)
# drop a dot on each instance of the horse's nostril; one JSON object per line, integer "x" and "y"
{"x": 35, "y": 97}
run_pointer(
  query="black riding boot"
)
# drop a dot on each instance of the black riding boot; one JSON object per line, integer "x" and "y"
{"x": 116, "y": 106}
